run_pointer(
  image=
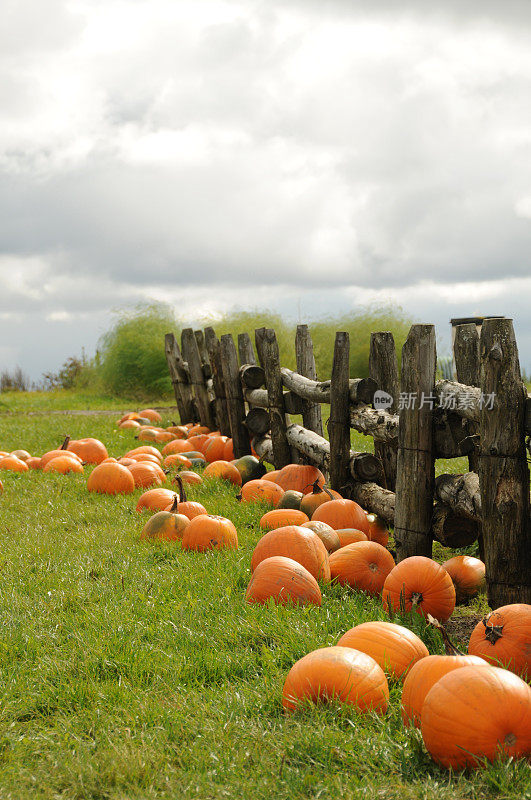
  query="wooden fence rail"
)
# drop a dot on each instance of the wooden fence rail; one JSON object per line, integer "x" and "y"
{"x": 413, "y": 419}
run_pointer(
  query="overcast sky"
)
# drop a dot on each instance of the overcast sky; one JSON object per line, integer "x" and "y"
{"x": 301, "y": 156}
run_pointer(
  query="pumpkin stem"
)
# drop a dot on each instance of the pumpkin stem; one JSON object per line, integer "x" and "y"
{"x": 174, "y": 505}
{"x": 492, "y": 632}
{"x": 182, "y": 493}
{"x": 318, "y": 489}
{"x": 65, "y": 444}
{"x": 449, "y": 648}
{"x": 416, "y": 598}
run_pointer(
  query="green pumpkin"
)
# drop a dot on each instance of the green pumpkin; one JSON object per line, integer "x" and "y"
{"x": 197, "y": 462}
{"x": 291, "y": 499}
{"x": 250, "y": 468}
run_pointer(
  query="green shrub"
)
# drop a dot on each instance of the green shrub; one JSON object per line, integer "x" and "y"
{"x": 360, "y": 324}
{"x": 133, "y": 361}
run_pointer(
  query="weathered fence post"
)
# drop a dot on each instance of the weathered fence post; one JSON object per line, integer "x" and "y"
{"x": 415, "y": 464}
{"x": 259, "y": 335}
{"x": 179, "y": 379}
{"x": 503, "y": 470}
{"x": 311, "y": 412}
{"x": 214, "y": 354}
{"x": 383, "y": 367}
{"x": 245, "y": 349}
{"x": 467, "y": 365}
{"x": 339, "y": 422}
{"x": 277, "y": 411}
{"x": 193, "y": 357}
{"x": 203, "y": 353}
{"x": 233, "y": 387}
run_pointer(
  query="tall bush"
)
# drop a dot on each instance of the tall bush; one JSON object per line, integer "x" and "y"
{"x": 133, "y": 361}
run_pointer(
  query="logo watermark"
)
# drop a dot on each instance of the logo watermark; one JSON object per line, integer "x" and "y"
{"x": 448, "y": 402}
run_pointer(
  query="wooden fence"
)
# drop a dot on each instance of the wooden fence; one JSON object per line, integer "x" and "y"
{"x": 413, "y": 419}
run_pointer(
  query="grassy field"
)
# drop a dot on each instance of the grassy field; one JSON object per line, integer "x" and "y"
{"x": 134, "y": 670}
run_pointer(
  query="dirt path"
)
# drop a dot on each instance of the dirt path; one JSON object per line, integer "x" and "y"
{"x": 83, "y": 412}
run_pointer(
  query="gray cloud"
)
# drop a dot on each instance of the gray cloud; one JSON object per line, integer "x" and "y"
{"x": 295, "y": 144}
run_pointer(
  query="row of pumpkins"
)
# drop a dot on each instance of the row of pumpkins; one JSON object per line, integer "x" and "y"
{"x": 468, "y": 707}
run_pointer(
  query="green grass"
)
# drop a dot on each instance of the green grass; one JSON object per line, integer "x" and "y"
{"x": 134, "y": 670}
{"x": 72, "y": 400}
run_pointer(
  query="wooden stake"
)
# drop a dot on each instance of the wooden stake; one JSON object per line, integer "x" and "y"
{"x": 180, "y": 379}
{"x": 383, "y": 367}
{"x": 191, "y": 353}
{"x": 503, "y": 470}
{"x": 311, "y": 412}
{"x": 259, "y": 335}
{"x": 233, "y": 387}
{"x": 245, "y": 349}
{"x": 277, "y": 411}
{"x": 214, "y": 353}
{"x": 339, "y": 422}
{"x": 415, "y": 465}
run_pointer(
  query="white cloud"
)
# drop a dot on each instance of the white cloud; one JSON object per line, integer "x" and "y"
{"x": 253, "y": 153}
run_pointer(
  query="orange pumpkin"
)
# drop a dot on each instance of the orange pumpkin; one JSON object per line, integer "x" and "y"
{"x": 51, "y": 454}
{"x": 300, "y": 477}
{"x": 146, "y": 474}
{"x": 348, "y": 536}
{"x": 129, "y": 423}
{"x": 476, "y": 713}
{"x": 126, "y": 462}
{"x": 223, "y": 470}
{"x": 421, "y": 584}
{"x": 111, "y": 479}
{"x": 151, "y": 414}
{"x": 362, "y": 565}
{"x": 145, "y": 457}
{"x": 177, "y": 446}
{"x": 147, "y": 435}
{"x": 284, "y": 581}
{"x": 63, "y": 464}
{"x": 22, "y": 454}
{"x": 326, "y": 534}
{"x": 166, "y": 525}
{"x": 425, "y": 674}
{"x": 271, "y": 476}
{"x": 468, "y": 576}
{"x": 378, "y": 531}
{"x": 155, "y": 499}
{"x": 178, "y": 430}
{"x": 319, "y": 495}
{"x": 297, "y": 543}
{"x": 165, "y": 436}
{"x": 266, "y": 491}
{"x": 210, "y": 532}
{"x": 194, "y": 430}
{"x": 177, "y": 460}
{"x": 503, "y": 638}
{"x": 215, "y": 448}
{"x": 145, "y": 448}
{"x": 228, "y": 450}
{"x": 338, "y": 673}
{"x": 280, "y": 517}
{"x": 395, "y": 648}
{"x": 187, "y": 507}
{"x": 341, "y": 514}
{"x": 91, "y": 451}
{"x": 199, "y": 441}
{"x": 13, "y": 464}
{"x": 34, "y": 462}
{"x": 192, "y": 478}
